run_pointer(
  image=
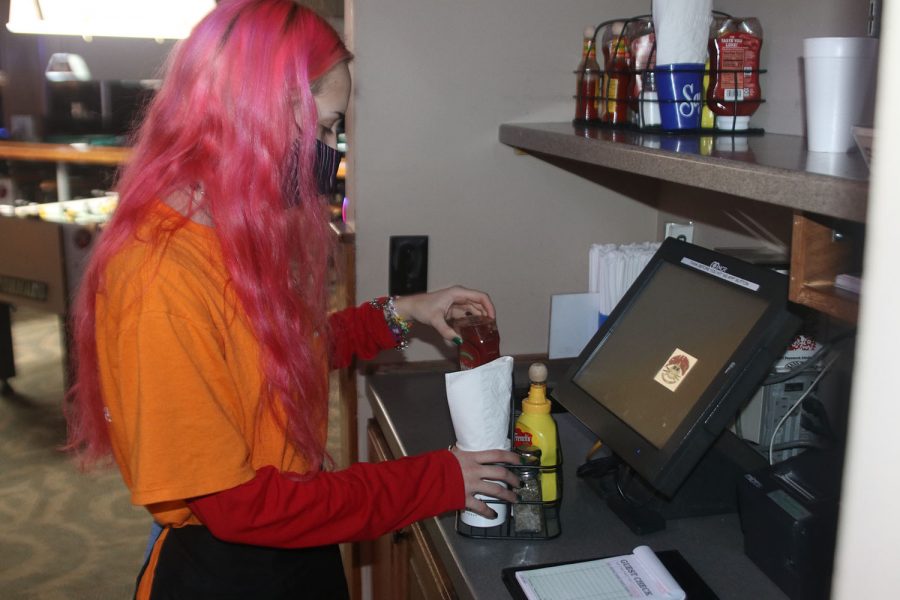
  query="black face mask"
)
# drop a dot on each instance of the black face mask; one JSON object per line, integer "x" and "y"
{"x": 326, "y": 167}
{"x": 328, "y": 160}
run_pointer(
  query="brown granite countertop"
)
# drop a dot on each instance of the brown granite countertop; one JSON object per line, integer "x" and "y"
{"x": 411, "y": 411}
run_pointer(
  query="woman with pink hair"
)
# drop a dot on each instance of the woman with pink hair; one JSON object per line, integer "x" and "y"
{"x": 202, "y": 342}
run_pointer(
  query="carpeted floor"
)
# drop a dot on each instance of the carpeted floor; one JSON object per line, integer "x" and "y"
{"x": 64, "y": 535}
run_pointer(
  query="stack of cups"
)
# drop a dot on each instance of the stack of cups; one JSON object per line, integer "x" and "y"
{"x": 840, "y": 86}
{"x": 682, "y": 36}
{"x": 479, "y": 402}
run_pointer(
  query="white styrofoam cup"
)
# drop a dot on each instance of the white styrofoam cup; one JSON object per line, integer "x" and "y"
{"x": 840, "y": 82}
{"x": 499, "y": 506}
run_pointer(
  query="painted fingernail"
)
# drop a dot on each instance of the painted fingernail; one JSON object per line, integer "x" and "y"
{"x": 457, "y": 340}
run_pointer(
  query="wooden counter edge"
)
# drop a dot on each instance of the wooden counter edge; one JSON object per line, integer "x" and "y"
{"x": 40, "y": 152}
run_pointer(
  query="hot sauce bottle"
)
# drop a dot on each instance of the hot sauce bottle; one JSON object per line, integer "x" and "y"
{"x": 616, "y": 74}
{"x": 480, "y": 341}
{"x": 586, "y": 95}
{"x": 734, "y": 93}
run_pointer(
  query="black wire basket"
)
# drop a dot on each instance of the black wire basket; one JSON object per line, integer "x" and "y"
{"x": 617, "y": 107}
{"x": 526, "y": 519}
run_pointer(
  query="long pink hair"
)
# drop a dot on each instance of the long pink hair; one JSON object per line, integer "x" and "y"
{"x": 224, "y": 122}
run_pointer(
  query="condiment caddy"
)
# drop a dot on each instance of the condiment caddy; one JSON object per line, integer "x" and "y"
{"x": 628, "y": 90}
{"x": 536, "y": 513}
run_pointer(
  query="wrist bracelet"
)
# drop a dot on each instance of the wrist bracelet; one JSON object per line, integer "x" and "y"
{"x": 398, "y": 325}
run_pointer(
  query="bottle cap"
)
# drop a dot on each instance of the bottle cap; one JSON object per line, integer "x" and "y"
{"x": 536, "y": 402}
{"x": 615, "y": 28}
{"x": 528, "y": 473}
{"x": 732, "y": 123}
{"x": 529, "y": 455}
{"x": 537, "y": 373}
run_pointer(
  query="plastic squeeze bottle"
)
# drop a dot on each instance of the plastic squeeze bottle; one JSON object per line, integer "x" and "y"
{"x": 616, "y": 74}
{"x": 535, "y": 427}
{"x": 734, "y": 92}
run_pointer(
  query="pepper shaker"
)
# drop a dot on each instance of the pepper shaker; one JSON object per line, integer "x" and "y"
{"x": 528, "y": 513}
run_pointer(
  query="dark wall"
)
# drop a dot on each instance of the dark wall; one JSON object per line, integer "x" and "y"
{"x": 23, "y": 59}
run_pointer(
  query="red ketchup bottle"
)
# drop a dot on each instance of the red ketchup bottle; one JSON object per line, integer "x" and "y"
{"x": 480, "y": 341}
{"x": 616, "y": 75}
{"x": 734, "y": 93}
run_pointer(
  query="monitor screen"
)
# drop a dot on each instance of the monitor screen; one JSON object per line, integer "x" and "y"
{"x": 684, "y": 349}
{"x": 653, "y": 387}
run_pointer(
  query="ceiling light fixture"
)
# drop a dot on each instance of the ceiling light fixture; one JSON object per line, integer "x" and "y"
{"x": 160, "y": 19}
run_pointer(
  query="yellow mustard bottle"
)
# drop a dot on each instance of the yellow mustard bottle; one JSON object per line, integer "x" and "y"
{"x": 535, "y": 427}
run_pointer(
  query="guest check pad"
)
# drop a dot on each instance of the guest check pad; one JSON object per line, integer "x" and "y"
{"x": 641, "y": 574}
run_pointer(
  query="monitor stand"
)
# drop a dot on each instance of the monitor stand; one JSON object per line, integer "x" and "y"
{"x": 710, "y": 489}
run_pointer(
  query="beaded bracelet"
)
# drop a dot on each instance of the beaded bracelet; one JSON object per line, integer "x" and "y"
{"x": 398, "y": 325}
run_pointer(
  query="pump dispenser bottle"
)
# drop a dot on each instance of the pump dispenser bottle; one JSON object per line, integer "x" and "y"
{"x": 535, "y": 427}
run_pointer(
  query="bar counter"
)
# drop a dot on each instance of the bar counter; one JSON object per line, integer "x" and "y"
{"x": 67, "y": 153}
{"x": 411, "y": 410}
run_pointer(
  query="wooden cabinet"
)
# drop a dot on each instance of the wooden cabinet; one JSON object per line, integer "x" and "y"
{"x": 822, "y": 249}
{"x": 404, "y": 563}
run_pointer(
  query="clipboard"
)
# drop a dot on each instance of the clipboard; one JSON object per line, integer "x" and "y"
{"x": 693, "y": 585}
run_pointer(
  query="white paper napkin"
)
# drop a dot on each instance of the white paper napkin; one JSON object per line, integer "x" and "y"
{"x": 479, "y": 402}
{"x": 682, "y": 30}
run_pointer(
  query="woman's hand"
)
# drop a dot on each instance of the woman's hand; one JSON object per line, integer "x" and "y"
{"x": 479, "y": 477}
{"x": 436, "y": 308}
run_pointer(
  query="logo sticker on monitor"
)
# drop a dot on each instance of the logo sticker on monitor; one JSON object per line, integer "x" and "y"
{"x": 676, "y": 369}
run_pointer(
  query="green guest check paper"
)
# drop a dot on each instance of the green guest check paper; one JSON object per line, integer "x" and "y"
{"x": 637, "y": 575}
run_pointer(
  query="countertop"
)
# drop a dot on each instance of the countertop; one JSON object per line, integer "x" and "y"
{"x": 411, "y": 409}
{"x": 771, "y": 168}
{"x": 66, "y": 153}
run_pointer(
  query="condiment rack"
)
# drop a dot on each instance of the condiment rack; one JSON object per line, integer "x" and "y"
{"x": 607, "y": 98}
{"x": 545, "y": 514}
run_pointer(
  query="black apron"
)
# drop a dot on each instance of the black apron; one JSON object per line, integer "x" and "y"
{"x": 194, "y": 565}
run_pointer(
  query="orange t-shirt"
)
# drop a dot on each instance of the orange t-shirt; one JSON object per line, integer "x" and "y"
{"x": 174, "y": 352}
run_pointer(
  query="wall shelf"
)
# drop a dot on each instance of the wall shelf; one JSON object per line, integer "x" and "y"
{"x": 826, "y": 191}
{"x": 771, "y": 168}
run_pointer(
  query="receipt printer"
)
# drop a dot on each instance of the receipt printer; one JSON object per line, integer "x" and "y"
{"x": 789, "y": 518}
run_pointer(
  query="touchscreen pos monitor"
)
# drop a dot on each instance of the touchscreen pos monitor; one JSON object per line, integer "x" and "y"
{"x": 685, "y": 348}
